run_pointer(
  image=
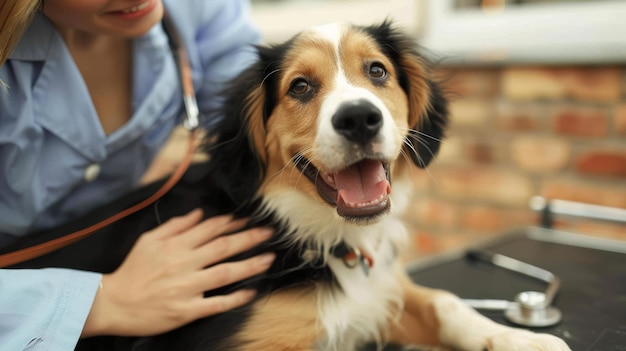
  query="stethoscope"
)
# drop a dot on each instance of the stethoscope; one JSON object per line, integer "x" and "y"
{"x": 530, "y": 308}
{"x": 191, "y": 122}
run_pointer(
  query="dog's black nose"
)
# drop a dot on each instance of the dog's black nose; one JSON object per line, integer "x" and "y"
{"x": 358, "y": 121}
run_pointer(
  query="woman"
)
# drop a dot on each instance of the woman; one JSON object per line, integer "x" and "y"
{"x": 91, "y": 96}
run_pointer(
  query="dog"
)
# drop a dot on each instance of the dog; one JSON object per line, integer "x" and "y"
{"x": 319, "y": 140}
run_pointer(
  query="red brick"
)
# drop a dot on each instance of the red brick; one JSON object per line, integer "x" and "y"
{"x": 595, "y": 84}
{"x": 592, "y": 84}
{"x": 551, "y": 131}
{"x": 585, "y": 191}
{"x": 471, "y": 149}
{"x": 429, "y": 212}
{"x": 496, "y": 186}
{"x": 470, "y": 112}
{"x": 492, "y": 220}
{"x": 620, "y": 119}
{"x": 581, "y": 122}
{"x": 421, "y": 180}
{"x": 519, "y": 117}
{"x": 451, "y": 151}
{"x": 471, "y": 82}
{"x": 422, "y": 242}
{"x": 479, "y": 152}
{"x": 540, "y": 154}
{"x": 426, "y": 242}
{"x": 531, "y": 83}
{"x": 607, "y": 163}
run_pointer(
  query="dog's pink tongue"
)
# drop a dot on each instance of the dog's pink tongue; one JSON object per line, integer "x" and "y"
{"x": 362, "y": 185}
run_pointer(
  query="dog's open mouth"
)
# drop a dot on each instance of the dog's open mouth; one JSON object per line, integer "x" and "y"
{"x": 360, "y": 190}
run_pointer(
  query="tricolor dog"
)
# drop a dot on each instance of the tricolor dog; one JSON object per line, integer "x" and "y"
{"x": 319, "y": 140}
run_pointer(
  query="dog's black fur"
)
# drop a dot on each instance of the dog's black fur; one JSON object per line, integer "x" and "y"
{"x": 226, "y": 184}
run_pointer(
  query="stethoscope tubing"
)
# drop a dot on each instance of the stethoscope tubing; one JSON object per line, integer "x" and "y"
{"x": 530, "y": 308}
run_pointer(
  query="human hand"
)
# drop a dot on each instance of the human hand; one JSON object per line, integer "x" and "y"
{"x": 160, "y": 285}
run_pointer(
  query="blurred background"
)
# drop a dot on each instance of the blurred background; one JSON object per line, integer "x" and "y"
{"x": 538, "y": 102}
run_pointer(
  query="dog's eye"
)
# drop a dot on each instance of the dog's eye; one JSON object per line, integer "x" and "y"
{"x": 377, "y": 71}
{"x": 299, "y": 86}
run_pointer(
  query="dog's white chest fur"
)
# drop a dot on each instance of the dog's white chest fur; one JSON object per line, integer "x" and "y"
{"x": 360, "y": 310}
{"x": 366, "y": 302}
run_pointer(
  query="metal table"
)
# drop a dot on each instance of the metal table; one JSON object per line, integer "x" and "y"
{"x": 592, "y": 297}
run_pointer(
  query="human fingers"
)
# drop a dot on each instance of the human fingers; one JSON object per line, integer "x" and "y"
{"x": 176, "y": 225}
{"x": 227, "y": 246}
{"x": 210, "y": 229}
{"x": 205, "y": 307}
{"x": 230, "y": 272}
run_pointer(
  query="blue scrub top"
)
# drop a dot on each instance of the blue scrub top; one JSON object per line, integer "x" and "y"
{"x": 56, "y": 162}
{"x": 51, "y": 139}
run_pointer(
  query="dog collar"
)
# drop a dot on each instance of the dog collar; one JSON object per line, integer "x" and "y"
{"x": 353, "y": 257}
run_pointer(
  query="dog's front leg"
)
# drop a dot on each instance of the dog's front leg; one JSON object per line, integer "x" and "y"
{"x": 438, "y": 318}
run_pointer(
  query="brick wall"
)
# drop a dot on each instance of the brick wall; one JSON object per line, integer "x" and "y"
{"x": 516, "y": 132}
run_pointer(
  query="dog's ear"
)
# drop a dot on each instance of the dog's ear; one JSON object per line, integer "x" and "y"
{"x": 236, "y": 146}
{"x": 428, "y": 107}
{"x": 428, "y": 111}
{"x": 424, "y": 138}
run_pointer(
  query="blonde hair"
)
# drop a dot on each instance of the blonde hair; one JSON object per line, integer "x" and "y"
{"x": 15, "y": 16}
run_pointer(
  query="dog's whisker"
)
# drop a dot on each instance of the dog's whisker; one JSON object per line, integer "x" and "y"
{"x": 421, "y": 160}
{"x": 423, "y": 143}
{"x": 407, "y": 157}
{"x": 282, "y": 170}
{"x": 269, "y": 74}
{"x": 212, "y": 147}
{"x": 296, "y": 159}
{"x": 415, "y": 131}
{"x": 290, "y": 164}
{"x": 301, "y": 173}
{"x": 411, "y": 147}
{"x": 428, "y": 136}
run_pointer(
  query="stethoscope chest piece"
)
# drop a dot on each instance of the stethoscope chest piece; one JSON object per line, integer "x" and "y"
{"x": 531, "y": 310}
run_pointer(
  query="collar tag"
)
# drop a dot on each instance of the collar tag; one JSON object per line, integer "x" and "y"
{"x": 364, "y": 263}
{"x": 353, "y": 257}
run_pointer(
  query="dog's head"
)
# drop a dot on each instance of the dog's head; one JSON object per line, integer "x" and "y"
{"x": 329, "y": 117}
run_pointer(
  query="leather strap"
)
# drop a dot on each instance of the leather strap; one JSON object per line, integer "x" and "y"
{"x": 191, "y": 122}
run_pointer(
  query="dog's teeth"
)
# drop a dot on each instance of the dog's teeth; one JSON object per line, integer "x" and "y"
{"x": 330, "y": 180}
{"x": 367, "y": 203}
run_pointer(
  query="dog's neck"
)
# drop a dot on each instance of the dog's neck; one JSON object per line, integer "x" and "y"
{"x": 353, "y": 257}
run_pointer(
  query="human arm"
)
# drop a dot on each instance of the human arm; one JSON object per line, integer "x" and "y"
{"x": 44, "y": 308}
{"x": 159, "y": 287}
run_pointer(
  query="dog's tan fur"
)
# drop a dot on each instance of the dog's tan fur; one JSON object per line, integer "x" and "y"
{"x": 291, "y": 319}
{"x": 283, "y": 321}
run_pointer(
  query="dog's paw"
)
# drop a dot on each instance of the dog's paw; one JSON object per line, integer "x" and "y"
{"x": 522, "y": 340}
